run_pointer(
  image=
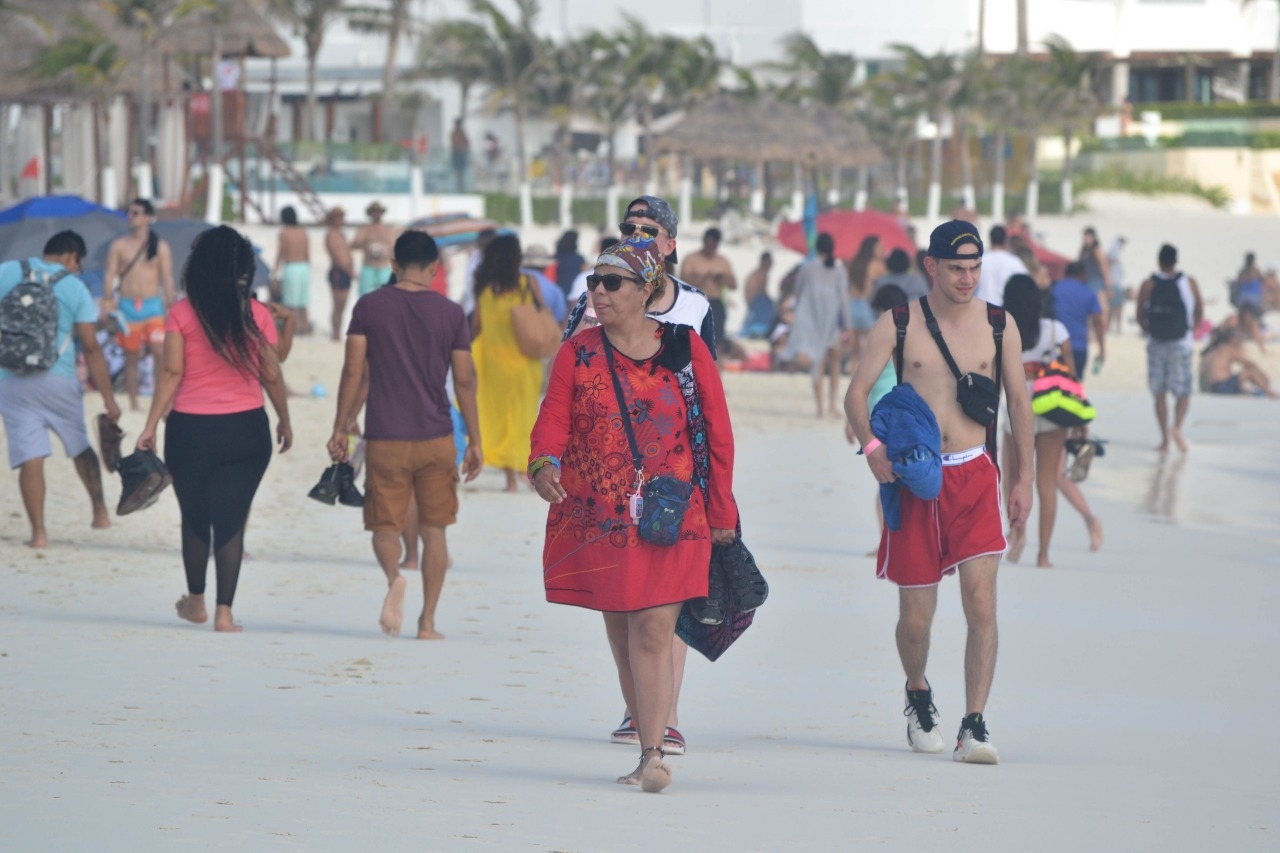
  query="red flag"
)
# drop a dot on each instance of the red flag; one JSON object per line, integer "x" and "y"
{"x": 31, "y": 171}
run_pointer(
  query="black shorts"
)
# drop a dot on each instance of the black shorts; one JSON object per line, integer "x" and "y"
{"x": 338, "y": 279}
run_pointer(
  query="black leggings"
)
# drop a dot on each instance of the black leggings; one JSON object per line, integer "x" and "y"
{"x": 217, "y": 462}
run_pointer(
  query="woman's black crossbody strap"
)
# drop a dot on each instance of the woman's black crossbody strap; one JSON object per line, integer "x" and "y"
{"x": 622, "y": 408}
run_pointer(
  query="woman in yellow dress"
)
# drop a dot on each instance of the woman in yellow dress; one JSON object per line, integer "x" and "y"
{"x": 509, "y": 382}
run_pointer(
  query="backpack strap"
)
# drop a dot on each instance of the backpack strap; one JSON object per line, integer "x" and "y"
{"x": 996, "y": 317}
{"x": 901, "y": 317}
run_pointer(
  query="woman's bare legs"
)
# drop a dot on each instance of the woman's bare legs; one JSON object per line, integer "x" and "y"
{"x": 1049, "y": 448}
{"x": 1071, "y": 491}
{"x": 641, "y": 646}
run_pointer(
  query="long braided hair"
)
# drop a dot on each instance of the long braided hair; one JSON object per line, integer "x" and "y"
{"x": 217, "y": 276}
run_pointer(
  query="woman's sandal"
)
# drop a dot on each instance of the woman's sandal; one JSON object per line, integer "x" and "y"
{"x": 654, "y": 775}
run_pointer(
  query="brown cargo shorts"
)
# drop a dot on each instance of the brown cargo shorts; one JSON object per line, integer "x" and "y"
{"x": 398, "y": 470}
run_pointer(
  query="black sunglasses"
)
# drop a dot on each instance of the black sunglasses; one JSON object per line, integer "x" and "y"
{"x": 611, "y": 281}
{"x": 629, "y": 228}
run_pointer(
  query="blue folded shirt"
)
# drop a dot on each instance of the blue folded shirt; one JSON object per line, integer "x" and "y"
{"x": 913, "y": 441}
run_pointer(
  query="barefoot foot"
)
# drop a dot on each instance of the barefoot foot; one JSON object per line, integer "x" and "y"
{"x": 393, "y": 608}
{"x": 223, "y": 622}
{"x": 1017, "y": 541}
{"x": 1095, "y": 533}
{"x": 39, "y": 539}
{"x": 655, "y": 776}
{"x": 101, "y": 521}
{"x": 427, "y": 630}
{"x": 409, "y": 562}
{"x": 191, "y": 608}
{"x": 1042, "y": 562}
{"x": 1178, "y": 439}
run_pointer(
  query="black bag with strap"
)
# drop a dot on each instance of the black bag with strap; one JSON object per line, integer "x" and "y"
{"x": 977, "y": 394}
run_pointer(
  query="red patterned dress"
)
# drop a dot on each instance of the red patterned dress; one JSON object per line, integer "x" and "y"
{"x": 593, "y": 556}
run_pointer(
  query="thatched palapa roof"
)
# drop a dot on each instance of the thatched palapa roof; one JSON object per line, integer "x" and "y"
{"x": 247, "y": 32}
{"x": 766, "y": 129}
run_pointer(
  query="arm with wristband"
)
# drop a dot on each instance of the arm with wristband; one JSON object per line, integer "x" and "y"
{"x": 881, "y": 342}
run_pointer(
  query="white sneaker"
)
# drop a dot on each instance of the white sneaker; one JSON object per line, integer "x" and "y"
{"x": 973, "y": 746}
{"x": 923, "y": 733}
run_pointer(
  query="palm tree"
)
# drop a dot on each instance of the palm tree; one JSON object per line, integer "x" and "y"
{"x": 817, "y": 77}
{"x": 147, "y": 18}
{"x": 309, "y": 20}
{"x": 392, "y": 20}
{"x": 560, "y": 91}
{"x": 86, "y": 58}
{"x": 608, "y": 96}
{"x": 999, "y": 105}
{"x": 931, "y": 83}
{"x": 971, "y": 82}
{"x": 890, "y": 119}
{"x": 1070, "y": 74}
{"x": 456, "y": 51}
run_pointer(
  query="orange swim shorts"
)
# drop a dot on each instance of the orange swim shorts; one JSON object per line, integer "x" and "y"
{"x": 398, "y": 470}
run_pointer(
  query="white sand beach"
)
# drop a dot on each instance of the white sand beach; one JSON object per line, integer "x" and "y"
{"x": 1130, "y": 707}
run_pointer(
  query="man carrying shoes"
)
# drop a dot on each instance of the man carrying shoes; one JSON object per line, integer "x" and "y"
{"x": 946, "y": 332}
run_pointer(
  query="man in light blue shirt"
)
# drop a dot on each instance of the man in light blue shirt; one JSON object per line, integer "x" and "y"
{"x": 35, "y": 403}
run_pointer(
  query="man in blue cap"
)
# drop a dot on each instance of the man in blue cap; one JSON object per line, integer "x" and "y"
{"x": 939, "y": 336}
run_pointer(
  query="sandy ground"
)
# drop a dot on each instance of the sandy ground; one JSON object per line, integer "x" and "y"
{"x": 1130, "y": 706}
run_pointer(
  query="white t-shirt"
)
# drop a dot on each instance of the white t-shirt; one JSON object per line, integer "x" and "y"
{"x": 998, "y": 266}
{"x": 579, "y": 286}
{"x": 690, "y": 308}
{"x": 1054, "y": 338}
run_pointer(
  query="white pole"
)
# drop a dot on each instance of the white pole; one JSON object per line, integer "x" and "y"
{"x": 526, "y": 205}
{"x": 997, "y": 201}
{"x": 415, "y": 191}
{"x": 935, "y": 200}
{"x": 611, "y": 203}
{"x": 213, "y": 208}
{"x": 566, "y": 205}
{"x": 109, "y": 192}
{"x": 146, "y": 183}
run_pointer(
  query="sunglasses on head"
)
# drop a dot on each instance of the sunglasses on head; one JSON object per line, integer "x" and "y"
{"x": 629, "y": 228}
{"x": 611, "y": 281}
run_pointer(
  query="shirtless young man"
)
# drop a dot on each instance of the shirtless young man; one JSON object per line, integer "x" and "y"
{"x": 375, "y": 241}
{"x": 291, "y": 277}
{"x": 342, "y": 269}
{"x": 710, "y": 272}
{"x": 961, "y": 528}
{"x": 141, "y": 266}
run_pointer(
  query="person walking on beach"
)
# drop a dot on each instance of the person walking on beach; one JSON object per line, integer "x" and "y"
{"x": 407, "y": 338}
{"x": 219, "y": 356}
{"x": 292, "y": 272}
{"x": 677, "y": 303}
{"x": 961, "y": 529}
{"x": 1077, "y": 305}
{"x": 635, "y": 368}
{"x": 510, "y": 381}
{"x": 710, "y": 272}
{"x": 998, "y": 266}
{"x": 1169, "y": 309}
{"x": 680, "y": 303}
{"x": 1096, "y": 271}
{"x": 1044, "y": 340}
{"x": 864, "y": 268}
{"x": 821, "y": 321}
{"x": 342, "y": 268}
{"x": 140, "y": 272}
{"x": 460, "y": 154}
{"x": 51, "y": 398}
{"x": 374, "y": 241}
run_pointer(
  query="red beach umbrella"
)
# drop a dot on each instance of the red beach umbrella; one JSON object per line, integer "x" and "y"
{"x": 848, "y": 228}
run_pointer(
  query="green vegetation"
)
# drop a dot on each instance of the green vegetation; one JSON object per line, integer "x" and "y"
{"x": 1150, "y": 185}
{"x": 1180, "y": 110}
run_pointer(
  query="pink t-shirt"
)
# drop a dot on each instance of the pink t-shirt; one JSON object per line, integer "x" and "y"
{"x": 210, "y": 384}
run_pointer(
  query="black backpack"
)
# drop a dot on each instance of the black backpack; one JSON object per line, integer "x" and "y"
{"x": 29, "y": 323}
{"x": 1166, "y": 312}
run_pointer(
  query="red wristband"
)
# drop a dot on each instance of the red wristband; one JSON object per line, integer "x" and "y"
{"x": 870, "y": 446}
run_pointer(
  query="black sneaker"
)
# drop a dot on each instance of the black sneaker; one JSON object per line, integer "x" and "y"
{"x": 923, "y": 734}
{"x": 348, "y": 494}
{"x": 743, "y": 576}
{"x": 710, "y": 610}
{"x": 973, "y": 745}
{"x": 326, "y": 491}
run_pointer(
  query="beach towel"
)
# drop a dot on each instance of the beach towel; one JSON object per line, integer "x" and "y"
{"x": 913, "y": 441}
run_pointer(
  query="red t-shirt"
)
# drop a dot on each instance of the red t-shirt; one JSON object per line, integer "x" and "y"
{"x": 210, "y": 384}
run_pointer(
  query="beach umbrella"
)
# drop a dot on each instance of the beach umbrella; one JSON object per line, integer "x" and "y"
{"x": 54, "y": 207}
{"x": 179, "y": 234}
{"x": 848, "y": 228}
{"x": 26, "y": 237}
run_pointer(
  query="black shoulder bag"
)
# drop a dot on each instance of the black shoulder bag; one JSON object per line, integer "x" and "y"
{"x": 657, "y": 506}
{"x": 977, "y": 394}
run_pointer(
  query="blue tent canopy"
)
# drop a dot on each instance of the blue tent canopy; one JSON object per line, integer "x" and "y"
{"x": 53, "y": 207}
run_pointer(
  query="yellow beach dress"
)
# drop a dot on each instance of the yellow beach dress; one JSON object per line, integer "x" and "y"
{"x": 509, "y": 383}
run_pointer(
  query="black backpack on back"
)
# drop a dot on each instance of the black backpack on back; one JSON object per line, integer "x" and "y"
{"x": 1166, "y": 312}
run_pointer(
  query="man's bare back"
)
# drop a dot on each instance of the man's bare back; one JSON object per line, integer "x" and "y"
{"x": 294, "y": 246}
{"x": 146, "y": 277}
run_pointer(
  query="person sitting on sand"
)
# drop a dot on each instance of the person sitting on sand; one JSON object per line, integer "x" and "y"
{"x": 52, "y": 399}
{"x": 1225, "y": 370}
{"x": 407, "y": 337}
{"x": 219, "y": 356}
{"x": 594, "y": 556}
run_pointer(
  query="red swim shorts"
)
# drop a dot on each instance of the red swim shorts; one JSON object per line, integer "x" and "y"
{"x": 937, "y": 536}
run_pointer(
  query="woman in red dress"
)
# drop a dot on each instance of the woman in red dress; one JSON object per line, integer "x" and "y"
{"x": 582, "y": 464}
